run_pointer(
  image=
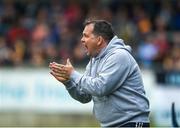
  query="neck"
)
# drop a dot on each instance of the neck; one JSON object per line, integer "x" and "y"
{"x": 101, "y": 47}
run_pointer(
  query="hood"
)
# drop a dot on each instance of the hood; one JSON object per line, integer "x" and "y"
{"x": 114, "y": 44}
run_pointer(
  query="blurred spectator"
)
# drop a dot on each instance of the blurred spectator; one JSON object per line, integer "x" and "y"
{"x": 165, "y": 13}
{"x": 37, "y": 32}
{"x": 172, "y": 60}
{"x": 16, "y": 31}
{"x": 175, "y": 20}
{"x": 72, "y": 12}
{"x": 162, "y": 45}
{"x": 125, "y": 27}
{"x": 147, "y": 52}
{"x": 5, "y": 52}
{"x": 18, "y": 52}
{"x": 40, "y": 38}
{"x": 142, "y": 20}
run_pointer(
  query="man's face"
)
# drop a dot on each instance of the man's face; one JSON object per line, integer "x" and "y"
{"x": 89, "y": 40}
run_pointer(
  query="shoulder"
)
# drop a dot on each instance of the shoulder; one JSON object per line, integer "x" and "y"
{"x": 118, "y": 55}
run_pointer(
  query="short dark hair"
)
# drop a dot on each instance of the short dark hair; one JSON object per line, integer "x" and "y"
{"x": 101, "y": 28}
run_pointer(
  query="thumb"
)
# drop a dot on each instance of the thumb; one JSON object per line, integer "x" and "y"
{"x": 68, "y": 62}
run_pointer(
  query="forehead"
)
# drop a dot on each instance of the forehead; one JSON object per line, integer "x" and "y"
{"x": 88, "y": 29}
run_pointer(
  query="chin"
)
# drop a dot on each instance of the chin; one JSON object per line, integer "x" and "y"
{"x": 89, "y": 54}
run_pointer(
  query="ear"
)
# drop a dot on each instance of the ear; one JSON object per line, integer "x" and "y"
{"x": 100, "y": 40}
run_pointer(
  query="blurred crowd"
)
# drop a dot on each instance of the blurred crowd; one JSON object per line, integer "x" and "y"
{"x": 36, "y": 32}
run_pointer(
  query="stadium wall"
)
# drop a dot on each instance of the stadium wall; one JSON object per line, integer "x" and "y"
{"x": 32, "y": 97}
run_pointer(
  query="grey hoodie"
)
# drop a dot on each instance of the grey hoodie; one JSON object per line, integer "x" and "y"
{"x": 113, "y": 81}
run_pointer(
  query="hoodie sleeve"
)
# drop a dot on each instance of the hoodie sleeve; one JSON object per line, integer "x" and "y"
{"x": 112, "y": 75}
{"x": 76, "y": 91}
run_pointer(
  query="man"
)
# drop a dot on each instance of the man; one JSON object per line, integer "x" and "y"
{"x": 112, "y": 79}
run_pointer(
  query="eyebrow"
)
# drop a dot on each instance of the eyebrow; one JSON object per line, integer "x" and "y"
{"x": 84, "y": 33}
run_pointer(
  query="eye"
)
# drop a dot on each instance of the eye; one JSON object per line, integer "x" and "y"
{"x": 85, "y": 35}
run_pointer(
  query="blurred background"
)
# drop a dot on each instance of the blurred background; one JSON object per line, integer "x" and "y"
{"x": 34, "y": 33}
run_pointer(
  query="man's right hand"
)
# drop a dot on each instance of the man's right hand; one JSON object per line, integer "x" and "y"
{"x": 61, "y": 72}
{"x": 56, "y": 71}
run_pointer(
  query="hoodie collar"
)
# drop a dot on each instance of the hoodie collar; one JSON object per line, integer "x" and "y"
{"x": 114, "y": 44}
{"x": 103, "y": 51}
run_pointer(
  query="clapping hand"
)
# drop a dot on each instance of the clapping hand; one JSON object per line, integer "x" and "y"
{"x": 61, "y": 72}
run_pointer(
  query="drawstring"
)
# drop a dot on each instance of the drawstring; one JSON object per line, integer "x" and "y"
{"x": 90, "y": 66}
{"x": 97, "y": 67}
{"x": 90, "y": 74}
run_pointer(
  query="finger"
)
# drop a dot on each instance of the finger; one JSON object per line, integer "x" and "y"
{"x": 55, "y": 64}
{"x": 62, "y": 79}
{"x": 50, "y": 65}
{"x": 59, "y": 67}
{"x": 53, "y": 67}
{"x": 64, "y": 75}
{"x": 68, "y": 62}
{"x": 59, "y": 71}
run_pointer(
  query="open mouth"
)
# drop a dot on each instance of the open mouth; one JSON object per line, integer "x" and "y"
{"x": 84, "y": 48}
